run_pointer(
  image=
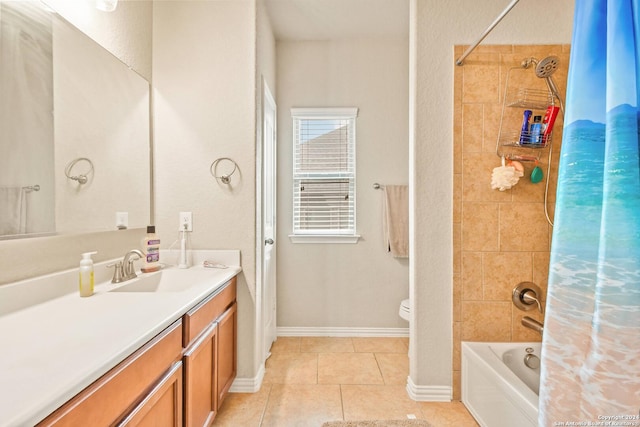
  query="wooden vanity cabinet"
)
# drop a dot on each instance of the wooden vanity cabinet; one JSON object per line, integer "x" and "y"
{"x": 210, "y": 355}
{"x": 227, "y": 353}
{"x": 178, "y": 378}
{"x": 145, "y": 386}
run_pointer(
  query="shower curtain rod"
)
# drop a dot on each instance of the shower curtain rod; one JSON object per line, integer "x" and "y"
{"x": 486, "y": 32}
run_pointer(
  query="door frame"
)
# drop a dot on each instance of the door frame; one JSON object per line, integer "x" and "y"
{"x": 261, "y": 335}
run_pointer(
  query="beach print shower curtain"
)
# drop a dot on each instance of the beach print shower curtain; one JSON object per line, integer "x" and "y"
{"x": 591, "y": 343}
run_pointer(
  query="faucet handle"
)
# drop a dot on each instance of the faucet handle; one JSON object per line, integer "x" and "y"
{"x": 526, "y": 296}
{"x": 530, "y": 297}
{"x": 128, "y": 269}
{"x": 118, "y": 273}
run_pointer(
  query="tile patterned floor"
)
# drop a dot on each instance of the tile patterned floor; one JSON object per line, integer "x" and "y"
{"x": 310, "y": 380}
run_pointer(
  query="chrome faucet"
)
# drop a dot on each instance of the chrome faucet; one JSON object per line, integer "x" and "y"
{"x": 526, "y": 296}
{"x": 530, "y": 323}
{"x": 127, "y": 264}
{"x": 123, "y": 270}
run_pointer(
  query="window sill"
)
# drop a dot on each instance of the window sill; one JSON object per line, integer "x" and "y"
{"x": 323, "y": 238}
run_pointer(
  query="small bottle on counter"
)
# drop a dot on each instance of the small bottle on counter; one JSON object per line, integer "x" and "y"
{"x": 86, "y": 280}
{"x": 151, "y": 251}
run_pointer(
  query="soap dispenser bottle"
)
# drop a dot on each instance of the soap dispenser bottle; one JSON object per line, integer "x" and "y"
{"x": 151, "y": 251}
{"x": 86, "y": 274}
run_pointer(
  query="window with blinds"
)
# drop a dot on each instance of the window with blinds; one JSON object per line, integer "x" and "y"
{"x": 324, "y": 171}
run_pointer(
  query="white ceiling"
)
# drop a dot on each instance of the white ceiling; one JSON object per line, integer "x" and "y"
{"x": 338, "y": 19}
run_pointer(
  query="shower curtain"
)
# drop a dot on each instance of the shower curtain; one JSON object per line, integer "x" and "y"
{"x": 591, "y": 343}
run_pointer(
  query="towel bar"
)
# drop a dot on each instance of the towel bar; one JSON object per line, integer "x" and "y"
{"x": 31, "y": 188}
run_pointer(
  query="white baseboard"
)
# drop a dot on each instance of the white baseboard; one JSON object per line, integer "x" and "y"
{"x": 248, "y": 385}
{"x": 286, "y": 331}
{"x": 429, "y": 393}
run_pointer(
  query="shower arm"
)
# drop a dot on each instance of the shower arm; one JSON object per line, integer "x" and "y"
{"x": 460, "y": 60}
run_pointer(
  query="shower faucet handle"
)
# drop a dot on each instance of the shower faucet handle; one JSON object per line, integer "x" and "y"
{"x": 530, "y": 297}
{"x": 526, "y": 296}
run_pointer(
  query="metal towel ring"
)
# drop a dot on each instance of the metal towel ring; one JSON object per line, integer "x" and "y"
{"x": 225, "y": 179}
{"x": 82, "y": 178}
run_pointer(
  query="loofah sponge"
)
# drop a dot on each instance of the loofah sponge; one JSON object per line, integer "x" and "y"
{"x": 504, "y": 177}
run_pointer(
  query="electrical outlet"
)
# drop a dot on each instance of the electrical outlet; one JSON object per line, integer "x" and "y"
{"x": 186, "y": 219}
{"x": 122, "y": 220}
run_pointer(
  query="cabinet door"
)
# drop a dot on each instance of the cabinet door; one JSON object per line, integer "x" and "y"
{"x": 200, "y": 379}
{"x": 162, "y": 407}
{"x": 227, "y": 350}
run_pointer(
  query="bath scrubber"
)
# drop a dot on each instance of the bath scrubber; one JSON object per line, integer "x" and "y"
{"x": 504, "y": 177}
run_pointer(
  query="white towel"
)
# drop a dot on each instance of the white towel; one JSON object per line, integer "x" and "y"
{"x": 395, "y": 220}
{"x": 13, "y": 211}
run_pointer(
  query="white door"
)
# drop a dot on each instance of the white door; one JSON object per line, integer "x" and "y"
{"x": 268, "y": 218}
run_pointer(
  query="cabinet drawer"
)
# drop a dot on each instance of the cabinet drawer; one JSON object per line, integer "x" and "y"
{"x": 107, "y": 399}
{"x": 200, "y": 316}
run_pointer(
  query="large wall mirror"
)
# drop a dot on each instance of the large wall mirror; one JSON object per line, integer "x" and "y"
{"x": 74, "y": 130}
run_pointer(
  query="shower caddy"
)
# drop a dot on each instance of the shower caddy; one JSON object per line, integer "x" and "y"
{"x": 517, "y": 99}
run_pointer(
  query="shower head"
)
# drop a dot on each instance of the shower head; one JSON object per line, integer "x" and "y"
{"x": 547, "y": 66}
{"x": 544, "y": 70}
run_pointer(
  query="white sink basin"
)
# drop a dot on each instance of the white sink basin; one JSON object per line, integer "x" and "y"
{"x": 165, "y": 281}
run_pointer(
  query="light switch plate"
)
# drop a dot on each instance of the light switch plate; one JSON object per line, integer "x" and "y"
{"x": 122, "y": 220}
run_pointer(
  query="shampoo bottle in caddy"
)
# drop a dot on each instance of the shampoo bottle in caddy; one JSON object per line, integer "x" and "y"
{"x": 548, "y": 121}
{"x": 524, "y": 132}
{"x": 86, "y": 283}
{"x": 536, "y": 130}
{"x": 151, "y": 251}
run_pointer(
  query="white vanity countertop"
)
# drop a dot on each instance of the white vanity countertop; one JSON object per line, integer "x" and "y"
{"x": 54, "y": 349}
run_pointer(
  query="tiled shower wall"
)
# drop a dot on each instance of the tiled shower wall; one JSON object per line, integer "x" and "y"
{"x": 501, "y": 238}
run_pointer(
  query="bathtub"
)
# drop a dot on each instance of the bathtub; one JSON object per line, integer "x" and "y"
{"x": 497, "y": 387}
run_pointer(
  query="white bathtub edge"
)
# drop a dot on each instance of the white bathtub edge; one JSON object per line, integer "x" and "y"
{"x": 513, "y": 390}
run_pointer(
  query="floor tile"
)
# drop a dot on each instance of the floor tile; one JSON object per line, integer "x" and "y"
{"x": 446, "y": 414}
{"x": 291, "y": 368}
{"x": 394, "y": 367}
{"x": 348, "y": 368}
{"x": 243, "y": 409}
{"x": 310, "y": 380}
{"x": 380, "y": 345}
{"x": 326, "y": 345}
{"x": 377, "y": 402}
{"x": 302, "y": 405}
{"x": 286, "y": 345}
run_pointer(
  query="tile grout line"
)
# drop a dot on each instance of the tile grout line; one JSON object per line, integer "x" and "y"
{"x": 266, "y": 404}
{"x": 384, "y": 382}
{"x": 341, "y": 402}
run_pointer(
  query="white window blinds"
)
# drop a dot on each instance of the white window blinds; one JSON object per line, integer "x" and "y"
{"x": 324, "y": 171}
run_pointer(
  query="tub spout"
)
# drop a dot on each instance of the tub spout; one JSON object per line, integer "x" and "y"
{"x": 530, "y": 323}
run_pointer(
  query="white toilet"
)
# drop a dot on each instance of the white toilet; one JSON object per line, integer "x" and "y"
{"x": 404, "y": 309}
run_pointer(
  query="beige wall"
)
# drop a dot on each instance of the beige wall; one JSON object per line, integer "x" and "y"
{"x": 501, "y": 238}
{"x": 437, "y": 27}
{"x": 204, "y": 67}
{"x": 345, "y": 285}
